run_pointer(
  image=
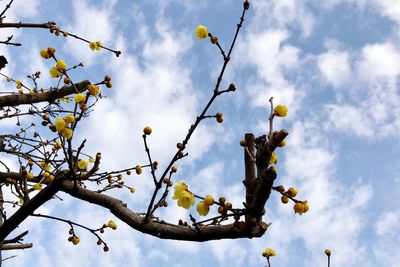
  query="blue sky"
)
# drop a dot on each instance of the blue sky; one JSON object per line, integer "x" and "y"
{"x": 335, "y": 65}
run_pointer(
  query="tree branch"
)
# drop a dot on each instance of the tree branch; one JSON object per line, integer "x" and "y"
{"x": 159, "y": 229}
{"x": 15, "y": 246}
{"x": 49, "y": 96}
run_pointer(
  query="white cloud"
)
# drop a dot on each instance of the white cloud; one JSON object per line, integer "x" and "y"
{"x": 379, "y": 61}
{"x": 334, "y": 66}
{"x": 385, "y": 247}
{"x": 348, "y": 119}
{"x": 389, "y": 8}
{"x": 386, "y": 223}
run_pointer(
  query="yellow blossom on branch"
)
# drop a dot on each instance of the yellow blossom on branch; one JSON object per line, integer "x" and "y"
{"x": 269, "y": 252}
{"x": 280, "y": 110}
{"x": 203, "y": 208}
{"x": 201, "y": 32}
{"x": 82, "y": 164}
{"x": 60, "y": 124}
{"x": 79, "y": 98}
{"x": 67, "y": 133}
{"x": 273, "y": 159}
{"x": 55, "y": 72}
{"x": 95, "y": 46}
{"x": 61, "y": 65}
{"x": 183, "y": 195}
{"x": 93, "y": 89}
{"x": 301, "y": 207}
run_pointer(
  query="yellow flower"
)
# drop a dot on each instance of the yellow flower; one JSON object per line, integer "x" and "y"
{"x": 282, "y": 144}
{"x": 45, "y": 54}
{"x": 328, "y": 252}
{"x": 61, "y": 65}
{"x": 209, "y": 200}
{"x": 273, "y": 159}
{"x": 292, "y": 192}
{"x": 183, "y": 195}
{"x": 147, "y": 130}
{"x": 54, "y": 72}
{"x": 79, "y": 98}
{"x": 18, "y": 84}
{"x": 67, "y": 133}
{"x": 92, "y": 46}
{"x": 70, "y": 118}
{"x": 280, "y": 110}
{"x": 82, "y": 164}
{"x": 45, "y": 166}
{"x": 203, "y": 208}
{"x": 93, "y": 89}
{"x": 75, "y": 240}
{"x": 201, "y": 32}
{"x": 284, "y": 199}
{"x": 269, "y": 252}
{"x": 138, "y": 169}
{"x": 95, "y": 45}
{"x": 301, "y": 207}
{"x": 186, "y": 199}
{"x": 60, "y": 124}
{"x": 112, "y": 224}
{"x": 99, "y": 44}
{"x": 37, "y": 187}
{"x": 132, "y": 189}
{"x": 29, "y": 176}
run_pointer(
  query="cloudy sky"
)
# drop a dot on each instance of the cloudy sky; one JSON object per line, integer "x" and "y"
{"x": 334, "y": 63}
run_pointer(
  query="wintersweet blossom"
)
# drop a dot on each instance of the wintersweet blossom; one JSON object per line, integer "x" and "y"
{"x": 280, "y": 110}
{"x": 183, "y": 195}
{"x": 269, "y": 252}
{"x": 201, "y": 32}
{"x": 203, "y": 208}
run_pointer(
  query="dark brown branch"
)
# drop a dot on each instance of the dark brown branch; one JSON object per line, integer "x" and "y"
{"x": 158, "y": 228}
{"x": 250, "y": 168}
{"x": 49, "y": 96}
{"x": 29, "y": 207}
{"x": 16, "y": 239}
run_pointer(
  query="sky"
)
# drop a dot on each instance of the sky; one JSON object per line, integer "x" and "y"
{"x": 334, "y": 64}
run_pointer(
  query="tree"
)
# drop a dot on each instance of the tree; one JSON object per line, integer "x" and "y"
{"x": 50, "y": 160}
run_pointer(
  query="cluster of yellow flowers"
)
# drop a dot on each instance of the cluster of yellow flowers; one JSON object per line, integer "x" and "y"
{"x": 95, "y": 46}
{"x": 183, "y": 195}
{"x": 59, "y": 69}
{"x": 61, "y": 125}
{"x": 301, "y": 207}
{"x": 204, "y": 206}
{"x": 47, "y": 53}
{"x": 112, "y": 225}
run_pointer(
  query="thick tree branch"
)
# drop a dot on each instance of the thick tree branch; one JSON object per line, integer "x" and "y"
{"x": 28, "y": 208}
{"x": 159, "y": 229}
{"x": 15, "y": 246}
{"x": 49, "y": 96}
